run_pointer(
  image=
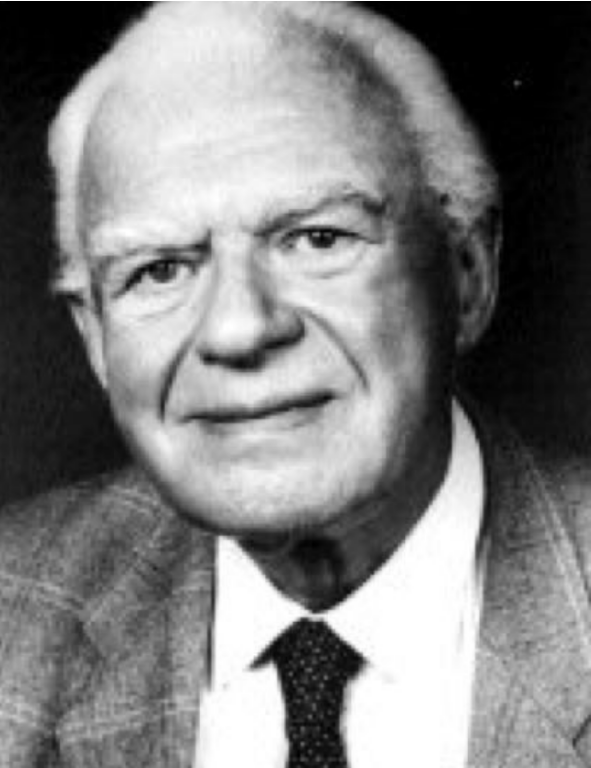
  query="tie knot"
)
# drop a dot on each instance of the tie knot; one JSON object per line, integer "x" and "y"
{"x": 314, "y": 666}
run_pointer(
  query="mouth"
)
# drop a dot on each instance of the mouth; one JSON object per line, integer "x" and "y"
{"x": 291, "y": 410}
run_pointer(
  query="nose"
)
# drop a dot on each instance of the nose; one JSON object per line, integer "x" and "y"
{"x": 244, "y": 319}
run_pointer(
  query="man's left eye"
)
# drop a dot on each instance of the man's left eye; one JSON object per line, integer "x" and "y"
{"x": 320, "y": 238}
{"x": 321, "y": 251}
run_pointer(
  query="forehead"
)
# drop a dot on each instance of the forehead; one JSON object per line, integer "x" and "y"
{"x": 258, "y": 116}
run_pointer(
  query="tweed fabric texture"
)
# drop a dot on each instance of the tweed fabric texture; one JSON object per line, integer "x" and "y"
{"x": 106, "y": 604}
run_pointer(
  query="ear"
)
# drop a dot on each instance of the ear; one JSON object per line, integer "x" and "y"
{"x": 476, "y": 272}
{"x": 88, "y": 322}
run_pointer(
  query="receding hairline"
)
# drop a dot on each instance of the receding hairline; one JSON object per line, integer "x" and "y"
{"x": 304, "y": 43}
{"x": 322, "y": 65}
{"x": 311, "y": 52}
{"x": 328, "y": 29}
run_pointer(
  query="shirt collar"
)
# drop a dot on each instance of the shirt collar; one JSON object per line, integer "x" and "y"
{"x": 423, "y": 586}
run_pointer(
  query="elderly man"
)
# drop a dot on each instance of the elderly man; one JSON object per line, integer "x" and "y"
{"x": 278, "y": 234}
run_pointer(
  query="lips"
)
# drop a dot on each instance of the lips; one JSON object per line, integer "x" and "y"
{"x": 234, "y": 413}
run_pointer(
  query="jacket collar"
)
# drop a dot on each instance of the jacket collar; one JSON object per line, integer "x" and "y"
{"x": 533, "y": 675}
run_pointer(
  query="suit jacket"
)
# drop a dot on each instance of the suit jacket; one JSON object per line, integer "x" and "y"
{"x": 105, "y": 600}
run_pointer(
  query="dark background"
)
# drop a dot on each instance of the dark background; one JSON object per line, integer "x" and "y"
{"x": 524, "y": 72}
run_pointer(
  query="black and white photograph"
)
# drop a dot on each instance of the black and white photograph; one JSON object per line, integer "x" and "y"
{"x": 295, "y": 385}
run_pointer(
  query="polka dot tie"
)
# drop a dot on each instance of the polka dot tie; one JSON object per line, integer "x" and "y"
{"x": 314, "y": 666}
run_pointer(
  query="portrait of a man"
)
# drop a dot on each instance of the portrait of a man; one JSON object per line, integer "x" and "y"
{"x": 278, "y": 236}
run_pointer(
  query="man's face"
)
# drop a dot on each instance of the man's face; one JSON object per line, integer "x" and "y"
{"x": 274, "y": 322}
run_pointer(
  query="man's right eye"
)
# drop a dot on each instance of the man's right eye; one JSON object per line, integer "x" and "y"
{"x": 160, "y": 274}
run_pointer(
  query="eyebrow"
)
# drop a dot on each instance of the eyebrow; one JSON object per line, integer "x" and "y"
{"x": 125, "y": 245}
{"x": 290, "y": 212}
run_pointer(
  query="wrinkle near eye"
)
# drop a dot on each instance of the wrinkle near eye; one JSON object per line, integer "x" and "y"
{"x": 159, "y": 274}
{"x": 145, "y": 273}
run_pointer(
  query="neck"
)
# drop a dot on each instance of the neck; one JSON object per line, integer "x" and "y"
{"x": 320, "y": 569}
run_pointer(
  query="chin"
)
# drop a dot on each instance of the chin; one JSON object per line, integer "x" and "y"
{"x": 258, "y": 509}
{"x": 256, "y": 515}
{"x": 300, "y": 496}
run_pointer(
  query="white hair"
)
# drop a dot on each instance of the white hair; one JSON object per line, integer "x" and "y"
{"x": 453, "y": 164}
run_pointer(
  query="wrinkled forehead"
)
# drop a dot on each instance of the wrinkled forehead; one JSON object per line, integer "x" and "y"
{"x": 205, "y": 87}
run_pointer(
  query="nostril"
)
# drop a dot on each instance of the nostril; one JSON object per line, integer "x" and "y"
{"x": 245, "y": 340}
{"x": 251, "y": 350}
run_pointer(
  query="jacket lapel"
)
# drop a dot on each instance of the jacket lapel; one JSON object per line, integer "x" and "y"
{"x": 533, "y": 672}
{"x": 151, "y": 635}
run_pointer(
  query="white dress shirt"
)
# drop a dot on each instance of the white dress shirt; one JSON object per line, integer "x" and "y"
{"x": 414, "y": 622}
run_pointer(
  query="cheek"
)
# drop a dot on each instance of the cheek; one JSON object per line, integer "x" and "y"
{"x": 138, "y": 363}
{"x": 408, "y": 342}
{"x": 389, "y": 326}
{"x": 377, "y": 320}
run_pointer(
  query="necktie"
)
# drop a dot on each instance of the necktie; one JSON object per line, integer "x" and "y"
{"x": 314, "y": 666}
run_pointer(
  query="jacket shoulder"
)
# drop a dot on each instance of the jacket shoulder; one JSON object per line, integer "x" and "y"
{"x": 569, "y": 481}
{"x": 67, "y": 542}
{"x": 60, "y": 554}
{"x": 532, "y": 477}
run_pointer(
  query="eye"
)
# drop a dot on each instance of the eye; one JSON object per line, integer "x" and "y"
{"x": 320, "y": 250}
{"x": 320, "y": 238}
{"x": 162, "y": 273}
